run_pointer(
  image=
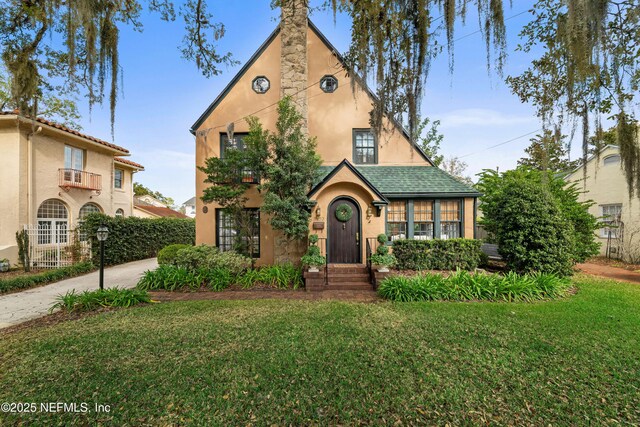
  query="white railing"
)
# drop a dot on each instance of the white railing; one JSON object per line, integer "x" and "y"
{"x": 54, "y": 246}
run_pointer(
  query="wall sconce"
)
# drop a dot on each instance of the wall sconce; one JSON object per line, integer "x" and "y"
{"x": 318, "y": 212}
{"x": 369, "y": 212}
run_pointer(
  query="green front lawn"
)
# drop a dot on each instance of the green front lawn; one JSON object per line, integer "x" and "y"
{"x": 574, "y": 361}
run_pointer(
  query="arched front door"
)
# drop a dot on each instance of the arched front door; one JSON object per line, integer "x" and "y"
{"x": 344, "y": 236}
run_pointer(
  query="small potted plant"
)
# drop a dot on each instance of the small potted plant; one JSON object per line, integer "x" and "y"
{"x": 4, "y": 265}
{"x": 382, "y": 259}
{"x": 312, "y": 259}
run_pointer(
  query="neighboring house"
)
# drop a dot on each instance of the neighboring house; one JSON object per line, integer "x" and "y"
{"x": 52, "y": 177}
{"x": 389, "y": 183}
{"x": 605, "y": 184}
{"x": 149, "y": 207}
{"x": 190, "y": 207}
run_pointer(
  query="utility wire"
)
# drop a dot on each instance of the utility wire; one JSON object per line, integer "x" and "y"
{"x": 498, "y": 145}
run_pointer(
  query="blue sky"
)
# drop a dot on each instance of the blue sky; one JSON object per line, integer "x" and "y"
{"x": 162, "y": 94}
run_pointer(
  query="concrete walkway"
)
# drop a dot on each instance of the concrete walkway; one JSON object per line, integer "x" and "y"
{"x": 32, "y": 303}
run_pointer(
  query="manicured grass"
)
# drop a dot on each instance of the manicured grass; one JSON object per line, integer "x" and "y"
{"x": 573, "y": 361}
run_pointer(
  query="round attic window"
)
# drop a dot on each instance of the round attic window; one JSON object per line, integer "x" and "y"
{"x": 261, "y": 84}
{"x": 328, "y": 84}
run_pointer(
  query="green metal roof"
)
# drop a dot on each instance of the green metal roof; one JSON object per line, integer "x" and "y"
{"x": 409, "y": 180}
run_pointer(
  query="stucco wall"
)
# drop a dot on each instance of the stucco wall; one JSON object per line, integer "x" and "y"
{"x": 606, "y": 185}
{"x": 20, "y": 207}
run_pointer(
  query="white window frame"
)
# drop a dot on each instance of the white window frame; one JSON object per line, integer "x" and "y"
{"x": 604, "y": 231}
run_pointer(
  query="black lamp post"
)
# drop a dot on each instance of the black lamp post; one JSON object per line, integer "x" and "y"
{"x": 102, "y": 234}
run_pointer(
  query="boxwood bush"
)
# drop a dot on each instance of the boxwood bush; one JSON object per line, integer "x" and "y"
{"x": 437, "y": 254}
{"x": 167, "y": 255}
{"x": 462, "y": 286}
{"x": 132, "y": 238}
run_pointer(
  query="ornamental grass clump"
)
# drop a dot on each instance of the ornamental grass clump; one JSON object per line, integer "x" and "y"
{"x": 464, "y": 286}
{"x": 92, "y": 300}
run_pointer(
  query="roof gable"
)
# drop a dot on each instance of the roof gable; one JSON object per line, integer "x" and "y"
{"x": 328, "y": 174}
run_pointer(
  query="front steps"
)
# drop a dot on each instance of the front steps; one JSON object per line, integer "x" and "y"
{"x": 340, "y": 277}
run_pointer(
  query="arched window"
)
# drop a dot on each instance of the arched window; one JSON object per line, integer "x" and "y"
{"x": 611, "y": 160}
{"x": 52, "y": 222}
{"x": 120, "y": 213}
{"x": 87, "y": 209}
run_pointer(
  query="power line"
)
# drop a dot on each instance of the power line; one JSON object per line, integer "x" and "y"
{"x": 498, "y": 145}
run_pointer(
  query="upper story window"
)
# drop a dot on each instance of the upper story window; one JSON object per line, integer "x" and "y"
{"x": 611, "y": 160}
{"x": 73, "y": 158}
{"x": 118, "y": 178}
{"x": 611, "y": 218}
{"x": 260, "y": 84}
{"x": 328, "y": 84}
{"x": 237, "y": 143}
{"x": 365, "y": 149}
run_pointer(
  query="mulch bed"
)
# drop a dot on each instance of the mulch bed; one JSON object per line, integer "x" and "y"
{"x": 614, "y": 263}
{"x": 266, "y": 293}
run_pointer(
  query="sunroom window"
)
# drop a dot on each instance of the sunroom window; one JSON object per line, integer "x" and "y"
{"x": 423, "y": 228}
{"x": 397, "y": 220}
{"x": 450, "y": 219}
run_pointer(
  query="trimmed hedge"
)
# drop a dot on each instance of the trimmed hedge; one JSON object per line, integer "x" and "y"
{"x": 437, "y": 254}
{"x": 133, "y": 238}
{"x": 49, "y": 276}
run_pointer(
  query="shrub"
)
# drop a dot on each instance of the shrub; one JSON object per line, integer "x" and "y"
{"x": 313, "y": 239}
{"x": 167, "y": 255}
{"x": 313, "y": 258}
{"x": 175, "y": 278}
{"x": 49, "y": 276}
{"x": 537, "y": 220}
{"x": 210, "y": 257}
{"x": 382, "y": 238}
{"x": 437, "y": 254}
{"x": 532, "y": 232}
{"x": 92, "y": 300}
{"x": 134, "y": 238}
{"x": 462, "y": 286}
{"x": 282, "y": 276}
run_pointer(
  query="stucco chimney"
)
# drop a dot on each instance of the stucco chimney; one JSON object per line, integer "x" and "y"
{"x": 293, "y": 59}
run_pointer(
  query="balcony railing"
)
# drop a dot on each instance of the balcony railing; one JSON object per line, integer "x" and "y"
{"x": 73, "y": 178}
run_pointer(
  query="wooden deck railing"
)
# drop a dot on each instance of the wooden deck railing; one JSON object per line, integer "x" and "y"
{"x": 73, "y": 178}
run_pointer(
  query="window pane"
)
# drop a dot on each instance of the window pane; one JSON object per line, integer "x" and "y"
{"x": 52, "y": 209}
{"x": 365, "y": 147}
{"x": 611, "y": 160}
{"x": 397, "y": 230}
{"x": 118, "y": 178}
{"x": 423, "y": 210}
{"x": 610, "y": 216}
{"x": 228, "y": 233}
{"x": 397, "y": 220}
{"x": 44, "y": 232}
{"x": 423, "y": 230}
{"x": 450, "y": 230}
{"x": 450, "y": 210}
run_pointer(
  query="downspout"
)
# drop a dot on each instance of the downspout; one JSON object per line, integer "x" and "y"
{"x": 30, "y": 172}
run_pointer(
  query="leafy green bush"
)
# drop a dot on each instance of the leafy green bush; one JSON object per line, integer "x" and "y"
{"x": 49, "y": 276}
{"x": 537, "y": 220}
{"x": 532, "y": 231}
{"x": 174, "y": 278}
{"x": 313, "y": 258}
{"x": 210, "y": 257}
{"x": 463, "y": 286}
{"x": 382, "y": 238}
{"x": 382, "y": 257}
{"x": 167, "y": 255}
{"x": 92, "y": 300}
{"x": 281, "y": 276}
{"x": 437, "y": 254}
{"x": 134, "y": 238}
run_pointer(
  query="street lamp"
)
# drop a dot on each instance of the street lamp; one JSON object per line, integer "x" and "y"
{"x": 102, "y": 234}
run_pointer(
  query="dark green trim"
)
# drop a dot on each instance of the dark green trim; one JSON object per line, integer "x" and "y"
{"x": 345, "y": 163}
{"x": 353, "y": 146}
{"x": 437, "y": 229}
{"x": 233, "y": 81}
{"x": 430, "y": 195}
{"x": 409, "y": 215}
{"x": 462, "y": 227}
{"x": 475, "y": 215}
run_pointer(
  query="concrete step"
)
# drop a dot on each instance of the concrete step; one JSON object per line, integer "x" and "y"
{"x": 348, "y": 277}
{"x": 349, "y": 286}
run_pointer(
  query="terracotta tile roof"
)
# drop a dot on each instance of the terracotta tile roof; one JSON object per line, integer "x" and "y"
{"x": 163, "y": 212}
{"x": 129, "y": 162}
{"x": 66, "y": 129}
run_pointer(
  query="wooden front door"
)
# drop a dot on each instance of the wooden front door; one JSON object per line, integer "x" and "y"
{"x": 344, "y": 237}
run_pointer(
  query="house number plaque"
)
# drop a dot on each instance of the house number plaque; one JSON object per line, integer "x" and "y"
{"x": 318, "y": 225}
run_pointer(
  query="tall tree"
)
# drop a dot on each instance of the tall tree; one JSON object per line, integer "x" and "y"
{"x": 590, "y": 67}
{"x": 141, "y": 190}
{"x": 457, "y": 169}
{"x": 548, "y": 152}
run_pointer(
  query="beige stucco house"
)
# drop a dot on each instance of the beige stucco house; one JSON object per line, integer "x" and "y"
{"x": 52, "y": 176}
{"x": 389, "y": 183}
{"x": 605, "y": 184}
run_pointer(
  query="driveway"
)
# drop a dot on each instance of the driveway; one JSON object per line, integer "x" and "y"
{"x": 26, "y": 305}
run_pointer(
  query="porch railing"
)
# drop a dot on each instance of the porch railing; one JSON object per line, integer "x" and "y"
{"x": 74, "y": 178}
{"x": 372, "y": 245}
{"x": 54, "y": 247}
